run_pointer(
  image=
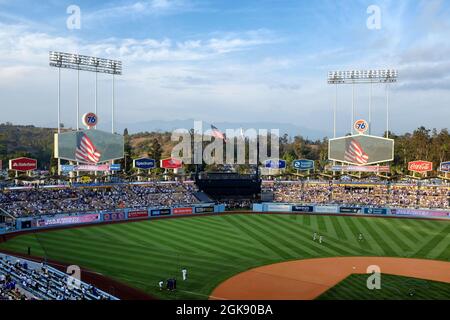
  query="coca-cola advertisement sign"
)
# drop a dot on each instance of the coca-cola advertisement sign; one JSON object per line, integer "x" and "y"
{"x": 420, "y": 166}
{"x": 171, "y": 163}
{"x": 23, "y": 164}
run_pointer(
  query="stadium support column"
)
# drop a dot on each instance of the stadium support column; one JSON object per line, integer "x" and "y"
{"x": 112, "y": 106}
{"x": 112, "y": 114}
{"x": 370, "y": 107}
{"x": 335, "y": 110}
{"x": 387, "y": 109}
{"x": 353, "y": 107}
{"x": 334, "y": 117}
{"x": 96, "y": 94}
{"x": 78, "y": 99}
{"x": 59, "y": 114}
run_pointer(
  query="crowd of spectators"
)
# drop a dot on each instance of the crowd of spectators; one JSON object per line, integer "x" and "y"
{"x": 42, "y": 201}
{"x": 32, "y": 202}
{"x": 375, "y": 195}
{"x": 24, "y": 280}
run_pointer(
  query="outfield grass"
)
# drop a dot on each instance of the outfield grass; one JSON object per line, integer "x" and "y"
{"x": 214, "y": 248}
{"x": 392, "y": 288}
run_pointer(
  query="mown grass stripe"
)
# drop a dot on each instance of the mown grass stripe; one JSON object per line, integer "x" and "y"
{"x": 196, "y": 241}
{"x": 405, "y": 232}
{"x": 376, "y": 238}
{"x": 259, "y": 238}
{"x": 331, "y": 245}
{"x": 128, "y": 257}
{"x": 393, "y": 235}
{"x": 235, "y": 238}
{"x": 356, "y": 227}
{"x": 267, "y": 230}
{"x": 427, "y": 247}
{"x": 298, "y": 238}
{"x": 321, "y": 223}
{"x": 417, "y": 226}
{"x": 334, "y": 229}
{"x": 387, "y": 238}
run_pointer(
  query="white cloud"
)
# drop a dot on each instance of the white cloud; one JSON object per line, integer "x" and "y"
{"x": 144, "y": 8}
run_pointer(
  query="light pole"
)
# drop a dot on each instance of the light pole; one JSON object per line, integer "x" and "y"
{"x": 83, "y": 63}
{"x": 353, "y": 77}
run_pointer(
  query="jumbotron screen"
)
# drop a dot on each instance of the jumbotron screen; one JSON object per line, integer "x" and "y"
{"x": 89, "y": 146}
{"x": 361, "y": 150}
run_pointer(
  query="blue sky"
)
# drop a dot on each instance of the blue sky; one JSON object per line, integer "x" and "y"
{"x": 235, "y": 61}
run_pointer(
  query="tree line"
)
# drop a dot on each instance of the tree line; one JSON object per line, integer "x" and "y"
{"x": 29, "y": 141}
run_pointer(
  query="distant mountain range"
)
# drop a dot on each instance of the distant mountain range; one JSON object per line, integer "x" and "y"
{"x": 158, "y": 125}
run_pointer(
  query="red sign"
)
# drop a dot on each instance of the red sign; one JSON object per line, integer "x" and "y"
{"x": 420, "y": 166}
{"x": 23, "y": 164}
{"x": 182, "y": 210}
{"x": 137, "y": 214}
{"x": 171, "y": 163}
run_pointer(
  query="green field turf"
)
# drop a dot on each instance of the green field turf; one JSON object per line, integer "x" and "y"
{"x": 214, "y": 248}
{"x": 392, "y": 288}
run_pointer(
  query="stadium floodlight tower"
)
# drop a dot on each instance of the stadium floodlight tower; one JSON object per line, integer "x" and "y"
{"x": 359, "y": 151}
{"x": 84, "y": 63}
{"x": 354, "y": 77}
{"x": 63, "y": 60}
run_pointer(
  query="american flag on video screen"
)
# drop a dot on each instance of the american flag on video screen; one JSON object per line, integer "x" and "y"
{"x": 217, "y": 133}
{"x": 86, "y": 151}
{"x": 354, "y": 153}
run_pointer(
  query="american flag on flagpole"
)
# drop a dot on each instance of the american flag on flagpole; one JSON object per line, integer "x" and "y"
{"x": 217, "y": 133}
{"x": 354, "y": 153}
{"x": 86, "y": 151}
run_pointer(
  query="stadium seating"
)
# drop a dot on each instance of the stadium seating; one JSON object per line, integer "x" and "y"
{"x": 26, "y": 280}
{"x": 32, "y": 202}
{"x": 369, "y": 194}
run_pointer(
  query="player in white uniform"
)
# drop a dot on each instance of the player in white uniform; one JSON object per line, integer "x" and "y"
{"x": 184, "y": 273}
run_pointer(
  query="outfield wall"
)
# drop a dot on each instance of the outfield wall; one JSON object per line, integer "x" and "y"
{"x": 62, "y": 220}
{"x": 343, "y": 209}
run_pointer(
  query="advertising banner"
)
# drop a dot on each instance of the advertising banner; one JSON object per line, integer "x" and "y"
{"x": 204, "y": 209}
{"x": 23, "y": 164}
{"x": 144, "y": 163}
{"x": 375, "y": 210}
{"x": 350, "y": 210}
{"x": 87, "y": 168}
{"x": 303, "y": 165}
{"x": 113, "y": 216}
{"x": 418, "y": 212}
{"x": 68, "y": 220}
{"x": 160, "y": 212}
{"x": 420, "y": 166}
{"x": 182, "y": 210}
{"x": 171, "y": 163}
{"x": 115, "y": 167}
{"x": 445, "y": 166}
{"x": 279, "y": 207}
{"x": 361, "y": 168}
{"x": 275, "y": 164}
{"x": 302, "y": 208}
{"x": 327, "y": 209}
{"x": 137, "y": 214}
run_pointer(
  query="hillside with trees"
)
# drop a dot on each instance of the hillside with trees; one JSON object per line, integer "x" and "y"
{"x": 421, "y": 144}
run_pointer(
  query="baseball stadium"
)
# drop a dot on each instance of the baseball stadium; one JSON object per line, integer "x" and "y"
{"x": 89, "y": 213}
